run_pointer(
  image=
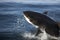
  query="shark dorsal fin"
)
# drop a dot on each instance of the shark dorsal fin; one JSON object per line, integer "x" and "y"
{"x": 46, "y": 12}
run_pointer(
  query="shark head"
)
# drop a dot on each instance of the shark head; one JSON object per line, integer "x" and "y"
{"x": 34, "y": 17}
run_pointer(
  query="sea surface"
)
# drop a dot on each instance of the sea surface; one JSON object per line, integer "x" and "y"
{"x": 13, "y": 26}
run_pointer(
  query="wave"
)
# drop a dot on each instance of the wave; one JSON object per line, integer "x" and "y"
{"x": 9, "y": 4}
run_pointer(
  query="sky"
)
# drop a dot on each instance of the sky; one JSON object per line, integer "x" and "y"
{"x": 32, "y": 1}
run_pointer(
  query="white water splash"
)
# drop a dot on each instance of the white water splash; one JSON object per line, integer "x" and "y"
{"x": 41, "y": 36}
{"x": 31, "y": 36}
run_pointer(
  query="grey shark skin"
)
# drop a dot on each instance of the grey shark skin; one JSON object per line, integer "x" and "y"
{"x": 43, "y": 21}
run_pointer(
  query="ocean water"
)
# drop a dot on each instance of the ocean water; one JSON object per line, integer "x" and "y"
{"x": 13, "y": 26}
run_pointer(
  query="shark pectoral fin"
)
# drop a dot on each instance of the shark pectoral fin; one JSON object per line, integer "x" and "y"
{"x": 38, "y": 32}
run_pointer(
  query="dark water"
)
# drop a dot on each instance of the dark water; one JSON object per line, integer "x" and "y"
{"x": 13, "y": 24}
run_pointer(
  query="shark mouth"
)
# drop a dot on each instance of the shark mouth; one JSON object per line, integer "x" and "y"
{"x": 28, "y": 20}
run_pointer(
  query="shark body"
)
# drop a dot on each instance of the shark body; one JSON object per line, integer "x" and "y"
{"x": 43, "y": 23}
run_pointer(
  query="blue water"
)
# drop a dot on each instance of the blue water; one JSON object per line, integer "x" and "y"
{"x": 12, "y": 22}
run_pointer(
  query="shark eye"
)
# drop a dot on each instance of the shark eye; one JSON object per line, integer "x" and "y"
{"x": 31, "y": 20}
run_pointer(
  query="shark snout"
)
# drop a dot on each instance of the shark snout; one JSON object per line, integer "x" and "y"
{"x": 24, "y": 12}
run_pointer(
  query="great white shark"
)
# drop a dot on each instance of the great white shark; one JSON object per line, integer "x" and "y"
{"x": 43, "y": 23}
